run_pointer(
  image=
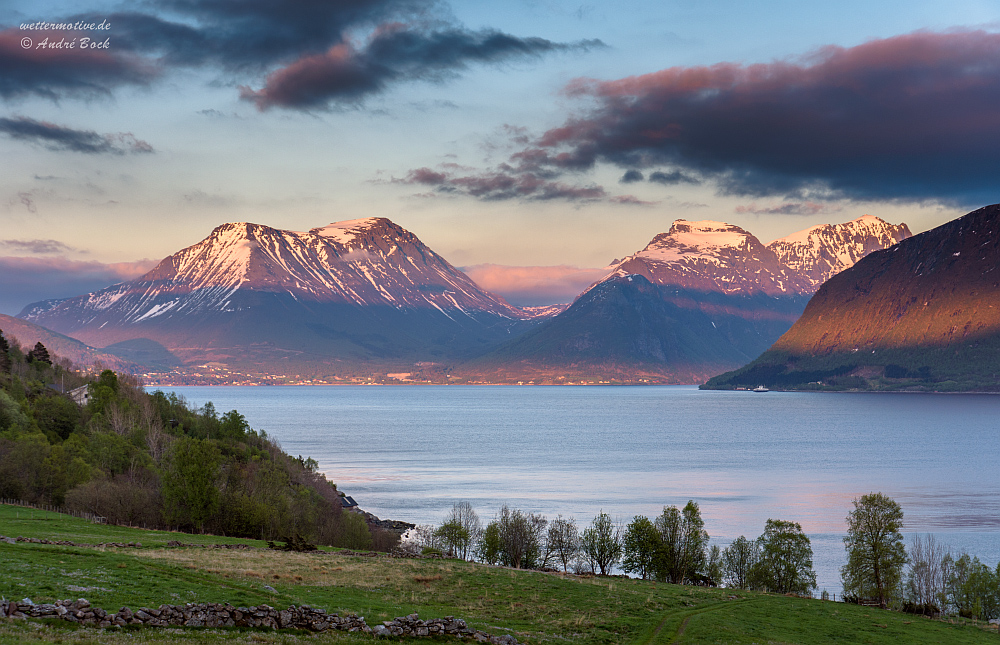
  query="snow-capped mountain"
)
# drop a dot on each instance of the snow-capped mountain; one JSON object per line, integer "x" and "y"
{"x": 710, "y": 256}
{"x": 709, "y": 294}
{"x": 715, "y": 256}
{"x": 818, "y": 253}
{"x": 357, "y": 288}
{"x": 365, "y": 262}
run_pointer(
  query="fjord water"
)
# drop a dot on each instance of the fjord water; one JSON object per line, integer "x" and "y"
{"x": 410, "y": 452}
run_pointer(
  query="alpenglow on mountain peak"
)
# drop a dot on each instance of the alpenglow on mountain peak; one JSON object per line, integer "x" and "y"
{"x": 721, "y": 257}
{"x": 356, "y": 290}
{"x": 362, "y": 261}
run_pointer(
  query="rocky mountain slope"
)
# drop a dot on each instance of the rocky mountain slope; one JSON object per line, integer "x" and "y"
{"x": 922, "y": 314}
{"x": 701, "y": 296}
{"x": 818, "y": 253}
{"x": 352, "y": 292}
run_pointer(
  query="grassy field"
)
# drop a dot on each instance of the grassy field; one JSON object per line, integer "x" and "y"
{"x": 536, "y": 607}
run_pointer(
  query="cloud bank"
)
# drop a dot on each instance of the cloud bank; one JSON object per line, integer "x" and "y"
{"x": 30, "y": 279}
{"x": 311, "y": 54}
{"x": 57, "y": 137}
{"x": 910, "y": 118}
{"x": 531, "y": 286}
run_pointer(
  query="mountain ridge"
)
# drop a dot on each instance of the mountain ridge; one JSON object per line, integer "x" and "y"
{"x": 923, "y": 314}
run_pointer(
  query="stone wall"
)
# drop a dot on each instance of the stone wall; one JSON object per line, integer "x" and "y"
{"x": 225, "y": 615}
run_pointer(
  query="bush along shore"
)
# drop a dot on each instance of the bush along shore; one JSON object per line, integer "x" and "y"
{"x": 263, "y": 616}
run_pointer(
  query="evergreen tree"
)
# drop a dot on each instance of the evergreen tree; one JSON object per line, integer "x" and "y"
{"x": 40, "y": 354}
{"x": 4, "y": 354}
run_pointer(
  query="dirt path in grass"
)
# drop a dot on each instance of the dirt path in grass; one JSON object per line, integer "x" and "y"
{"x": 686, "y": 616}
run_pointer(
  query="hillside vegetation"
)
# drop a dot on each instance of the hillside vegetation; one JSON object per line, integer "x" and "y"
{"x": 149, "y": 460}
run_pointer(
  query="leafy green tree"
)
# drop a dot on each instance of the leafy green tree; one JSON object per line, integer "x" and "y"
{"x": 520, "y": 537}
{"x": 12, "y": 416}
{"x": 463, "y": 515}
{"x": 875, "y": 550}
{"x": 713, "y": 566}
{"x": 785, "y": 562}
{"x": 640, "y": 546}
{"x": 354, "y": 532}
{"x": 56, "y": 416}
{"x": 103, "y": 392}
{"x": 190, "y": 495}
{"x": 973, "y": 589}
{"x": 563, "y": 540}
{"x": 738, "y": 562}
{"x": 489, "y": 548}
{"x": 454, "y": 536}
{"x": 602, "y": 543}
{"x": 683, "y": 544}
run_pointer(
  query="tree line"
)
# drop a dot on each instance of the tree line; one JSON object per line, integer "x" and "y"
{"x": 674, "y": 547}
{"x": 148, "y": 459}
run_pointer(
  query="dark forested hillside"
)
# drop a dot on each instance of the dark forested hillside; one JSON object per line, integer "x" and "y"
{"x": 99, "y": 443}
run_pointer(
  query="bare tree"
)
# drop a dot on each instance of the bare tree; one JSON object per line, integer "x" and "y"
{"x": 926, "y": 577}
{"x": 520, "y": 537}
{"x": 156, "y": 439}
{"x": 121, "y": 421}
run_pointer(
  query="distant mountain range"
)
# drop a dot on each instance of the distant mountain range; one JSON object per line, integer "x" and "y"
{"x": 924, "y": 314}
{"x": 365, "y": 299}
{"x": 701, "y": 298}
{"x": 349, "y": 297}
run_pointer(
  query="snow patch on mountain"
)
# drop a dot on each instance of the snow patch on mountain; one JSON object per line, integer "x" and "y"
{"x": 820, "y": 252}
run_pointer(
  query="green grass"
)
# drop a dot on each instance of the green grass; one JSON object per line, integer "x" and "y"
{"x": 29, "y": 522}
{"x": 536, "y": 607}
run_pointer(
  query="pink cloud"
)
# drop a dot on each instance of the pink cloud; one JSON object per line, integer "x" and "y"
{"x": 534, "y": 285}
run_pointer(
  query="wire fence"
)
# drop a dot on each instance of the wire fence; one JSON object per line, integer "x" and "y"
{"x": 83, "y": 515}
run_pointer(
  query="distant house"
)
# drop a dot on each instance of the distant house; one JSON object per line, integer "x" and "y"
{"x": 80, "y": 395}
{"x": 347, "y": 501}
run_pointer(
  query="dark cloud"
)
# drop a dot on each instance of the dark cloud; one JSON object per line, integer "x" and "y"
{"x": 672, "y": 178}
{"x": 504, "y": 184}
{"x": 912, "y": 117}
{"x": 57, "y": 137}
{"x": 631, "y": 176}
{"x": 37, "y": 247}
{"x": 393, "y": 53}
{"x": 28, "y": 279}
{"x": 58, "y": 73}
{"x": 630, "y": 200}
{"x": 789, "y": 208}
{"x": 308, "y": 49}
{"x": 249, "y": 36}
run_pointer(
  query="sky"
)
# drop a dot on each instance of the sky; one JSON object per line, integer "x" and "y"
{"x": 531, "y": 142}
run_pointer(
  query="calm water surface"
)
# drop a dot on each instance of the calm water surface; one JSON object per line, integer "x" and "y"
{"x": 408, "y": 453}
